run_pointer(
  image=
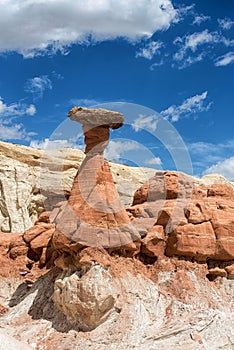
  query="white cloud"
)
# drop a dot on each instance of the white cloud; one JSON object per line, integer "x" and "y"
{"x": 192, "y": 41}
{"x": 189, "y": 60}
{"x": 191, "y": 105}
{"x": 38, "y": 85}
{"x": 145, "y": 122}
{"x": 149, "y": 50}
{"x": 154, "y": 161}
{"x": 225, "y": 59}
{"x": 85, "y": 102}
{"x": 200, "y": 19}
{"x": 10, "y": 131}
{"x": 207, "y": 155}
{"x": 52, "y": 144}
{"x": 16, "y": 109}
{"x": 225, "y": 23}
{"x": 156, "y": 64}
{"x": 31, "y": 110}
{"x": 46, "y": 26}
{"x": 204, "y": 148}
{"x": 117, "y": 149}
{"x": 196, "y": 39}
{"x": 189, "y": 45}
{"x": 224, "y": 167}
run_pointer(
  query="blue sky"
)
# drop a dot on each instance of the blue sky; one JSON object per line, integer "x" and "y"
{"x": 142, "y": 57}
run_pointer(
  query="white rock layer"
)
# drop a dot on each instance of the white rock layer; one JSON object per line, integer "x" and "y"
{"x": 25, "y": 172}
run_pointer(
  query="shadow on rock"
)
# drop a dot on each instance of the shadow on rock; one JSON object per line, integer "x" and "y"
{"x": 43, "y": 306}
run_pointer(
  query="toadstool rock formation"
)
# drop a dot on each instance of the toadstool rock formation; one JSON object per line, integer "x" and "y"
{"x": 94, "y": 215}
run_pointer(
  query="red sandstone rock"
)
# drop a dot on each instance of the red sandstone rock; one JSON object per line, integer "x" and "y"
{"x": 12, "y": 244}
{"x": 8, "y": 241}
{"x": 230, "y": 271}
{"x": 94, "y": 215}
{"x": 15, "y": 252}
{"x": 138, "y": 211}
{"x": 197, "y": 213}
{"x": 42, "y": 240}
{"x": 43, "y": 217}
{"x": 164, "y": 185}
{"x": 223, "y": 225}
{"x": 61, "y": 242}
{"x": 217, "y": 272}
{"x": 192, "y": 240}
{"x": 171, "y": 216}
{"x": 221, "y": 190}
{"x": 33, "y": 232}
{"x": 141, "y": 194}
{"x": 153, "y": 245}
{"x": 143, "y": 225}
{"x": 209, "y": 213}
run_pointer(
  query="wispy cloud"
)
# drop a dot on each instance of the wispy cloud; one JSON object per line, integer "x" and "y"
{"x": 224, "y": 60}
{"x": 149, "y": 122}
{"x": 225, "y": 23}
{"x": 85, "y": 102}
{"x": 78, "y": 22}
{"x": 37, "y": 85}
{"x": 191, "y": 43}
{"x": 16, "y": 109}
{"x": 190, "y": 106}
{"x": 54, "y": 144}
{"x": 203, "y": 148}
{"x": 149, "y": 50}
{"x": 156, "y": 64}
{"x": 56, "y": 75}
{"x": 199, "y": 19}
{"x": 184, "y": 11}
{"x": 9, "y": 128}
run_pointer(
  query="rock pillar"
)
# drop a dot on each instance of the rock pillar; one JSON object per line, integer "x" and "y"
{"x": 94, "y": 215}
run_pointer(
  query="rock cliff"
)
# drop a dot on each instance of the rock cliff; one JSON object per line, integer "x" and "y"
{"x": 171, "y": 287}
{"x": 25, "y": 172}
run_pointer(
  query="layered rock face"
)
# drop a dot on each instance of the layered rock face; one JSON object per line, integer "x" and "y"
{"x": 156, "y": 295}
{"x": 29, "y": 177}
{"x": 193, "y": 222}
{"x": 196, "y": 222}
{"x": 111, "y": 301}
{"x": 64, "y": 285}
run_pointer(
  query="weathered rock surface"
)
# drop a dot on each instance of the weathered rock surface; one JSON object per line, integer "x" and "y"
{"x": 88, "y": 300}
{"x": 94, "y": 214}
{"x": 171, "y": 288}
{"x": 25, "y": 172}
{"x": 198, "y": 219}
{"x": 124, "y": 304}
{"x": 199, "y": 228}
{"x": 9, "y": 343}
{"x": 96, "y": 117}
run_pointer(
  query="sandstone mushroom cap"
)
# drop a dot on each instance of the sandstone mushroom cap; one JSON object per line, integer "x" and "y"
{"x": 96, "y": 117}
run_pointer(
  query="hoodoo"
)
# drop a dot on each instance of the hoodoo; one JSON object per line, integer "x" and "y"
{"x": 94, "y": 215}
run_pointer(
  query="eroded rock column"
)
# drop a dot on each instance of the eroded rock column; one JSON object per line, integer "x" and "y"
{"x": 94, "y": 215}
